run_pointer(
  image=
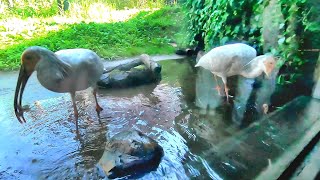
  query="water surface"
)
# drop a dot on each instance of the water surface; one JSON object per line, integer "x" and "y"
{"x": 182, "y": 112}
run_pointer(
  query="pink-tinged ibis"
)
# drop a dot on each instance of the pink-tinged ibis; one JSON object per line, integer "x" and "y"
{"x": 236, "y": 59}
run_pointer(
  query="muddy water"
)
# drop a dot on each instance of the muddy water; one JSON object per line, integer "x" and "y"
{"x": 182, "y": 112}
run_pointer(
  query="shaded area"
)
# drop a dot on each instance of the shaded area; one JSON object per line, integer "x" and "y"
{"x": 268, "y": 146}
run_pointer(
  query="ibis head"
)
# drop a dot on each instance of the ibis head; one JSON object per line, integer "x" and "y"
{"x": 29, "y": 60}
{"x": 268, "y": 65}
{"x": 65, "y": 71}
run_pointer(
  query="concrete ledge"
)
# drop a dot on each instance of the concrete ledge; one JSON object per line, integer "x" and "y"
{"x": 310, "y": 167}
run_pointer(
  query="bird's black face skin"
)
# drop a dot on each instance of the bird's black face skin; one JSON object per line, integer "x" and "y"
{"x": 200, "y": 54}
{"x": 29, "y": 59}
{"x": 21, "y": 83}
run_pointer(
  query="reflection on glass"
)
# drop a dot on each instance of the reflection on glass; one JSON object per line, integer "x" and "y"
{"x": 206, "y": 96}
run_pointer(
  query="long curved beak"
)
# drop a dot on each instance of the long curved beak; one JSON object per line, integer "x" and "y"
{"x": 268, "y": 75}
{"x": 22, "y": 81}
{"x": 268, "y": 71}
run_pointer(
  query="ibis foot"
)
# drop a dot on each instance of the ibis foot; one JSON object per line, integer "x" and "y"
{"x": 265, "y": 108}
{"x": 218, "y": 88}
{"x": 226, "y": 89}
{"x": 98, "y": 109}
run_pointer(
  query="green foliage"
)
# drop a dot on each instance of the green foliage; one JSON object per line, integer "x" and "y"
{"x": 224, "y": 20}
{"x": 299, "y": 23}
{"x": 123, "y": 4}
{"x": 29, "y": 8}
{"x": 221, "y": 21}
{"x": 49, "y": 8}
{"x": 148, "y": 32}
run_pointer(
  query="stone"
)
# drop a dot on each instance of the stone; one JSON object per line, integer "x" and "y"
{"x": 130, "y": 153}
{"x": 124, "y": 79}
{"x": 150, "y": 64}
{"x": 272, "y": 20}
{"x": 140, "y": 71}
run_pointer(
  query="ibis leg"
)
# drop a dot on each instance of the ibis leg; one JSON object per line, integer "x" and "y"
{"x": 218, "y": 88}
{"x": 98, "y": 107}
{"x": 226, "y": 89}
{"x": 76, "y": 114}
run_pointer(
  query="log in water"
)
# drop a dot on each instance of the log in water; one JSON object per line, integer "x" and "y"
{"x": 137, "y": 72}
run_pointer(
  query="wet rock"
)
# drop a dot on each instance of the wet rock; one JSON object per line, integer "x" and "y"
{"x": 140, "y": 71}
{"x": 187, "y": 52}
{"x": 123, "y": 79}
{"x": 130, "y": 153}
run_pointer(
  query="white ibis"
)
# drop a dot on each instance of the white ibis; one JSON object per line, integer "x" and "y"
{"x": 236, "y": 59}
{"x": 67, "y": 70}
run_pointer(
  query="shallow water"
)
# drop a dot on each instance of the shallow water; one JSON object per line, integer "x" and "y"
{"x": 182, "y": 112}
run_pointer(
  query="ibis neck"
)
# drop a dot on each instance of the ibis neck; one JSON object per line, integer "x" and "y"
{"x": 50, "y": 60}
{"x": 51, "y": 71}
{"x": 252, "y": 70}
